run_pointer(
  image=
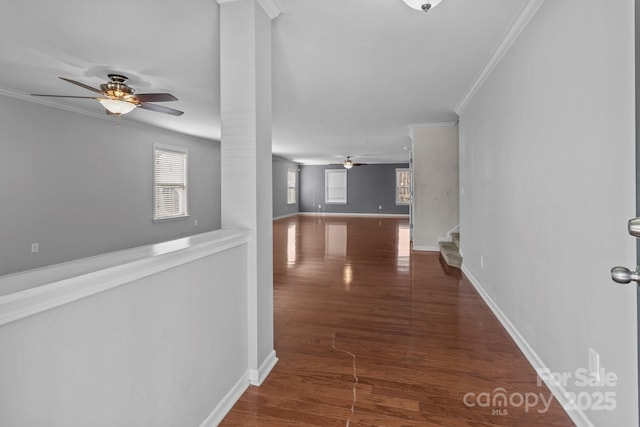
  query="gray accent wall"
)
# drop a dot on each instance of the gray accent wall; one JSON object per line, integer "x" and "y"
{"x": 80, "y": 186}
{"x": 280, "y": 206}
{"x": 368, "y": 188}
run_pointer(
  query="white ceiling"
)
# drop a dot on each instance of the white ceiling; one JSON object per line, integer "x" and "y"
{"x": 350, "y": 77}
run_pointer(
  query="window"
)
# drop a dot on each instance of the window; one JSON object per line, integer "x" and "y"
{"x": 403, "y": 186}
{"x": 291, "y": 186}
{"x": 335, "y": 186}
{"x": 169, "y": 182}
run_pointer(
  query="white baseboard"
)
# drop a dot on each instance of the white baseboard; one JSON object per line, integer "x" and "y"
{"x": 426, "y": 248}
{"x": 250, "y": 377}
{"x": 286, "y": 216}
{"x": 372, "y": 215}
{"x": 224, "y": 406}
{"x": 257, "y": 377}
{"x": 578, "y": 416}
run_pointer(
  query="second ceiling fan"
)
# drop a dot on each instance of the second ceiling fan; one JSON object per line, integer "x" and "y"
{"x": 348, "y": 163}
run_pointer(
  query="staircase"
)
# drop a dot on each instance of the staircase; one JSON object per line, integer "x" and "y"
{"x": 450, "y": 251}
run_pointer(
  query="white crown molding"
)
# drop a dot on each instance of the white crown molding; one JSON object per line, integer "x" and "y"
{"x": 510, "y": 36}
{"x": 49, "y": 103}
{"x": 431, "y": 125}
{"x": 271, "y": 7}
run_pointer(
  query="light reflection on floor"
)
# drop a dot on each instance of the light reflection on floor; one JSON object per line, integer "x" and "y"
{"x": 330, "y": 235}
{"x": 292, "y": 246}
{"x": 403, "y": 253}
{"x": 347, "y": 275}
{"x": 335, "y": 240}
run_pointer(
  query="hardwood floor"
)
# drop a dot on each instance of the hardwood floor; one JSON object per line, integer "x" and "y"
{"x": 348, "y": 293}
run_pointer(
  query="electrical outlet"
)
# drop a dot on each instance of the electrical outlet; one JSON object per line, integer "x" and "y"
{"x": 195, "y": 222}
{"x": 481, "y": 262}
{"x": 380, "y": 207}
{"x": 594, "y": 364}
{"x": 35, "y": 248}
{"x": 319, "y": 206}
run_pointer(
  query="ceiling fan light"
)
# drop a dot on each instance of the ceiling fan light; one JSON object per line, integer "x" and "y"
{"x": 348, "y": 164}
{"x": 117, "y": 107}
{"x": 424, "y": 5}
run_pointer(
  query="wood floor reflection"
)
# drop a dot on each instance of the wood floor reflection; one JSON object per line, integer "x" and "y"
{"x": 428, "y": 351}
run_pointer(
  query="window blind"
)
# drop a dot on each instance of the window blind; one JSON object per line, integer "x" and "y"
{"x": 170, "y": 183}
{"x": 335, "y": 186}
{"x": 291, "y": 186}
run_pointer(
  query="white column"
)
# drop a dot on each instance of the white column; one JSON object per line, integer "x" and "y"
{"x": 245, "y": 84}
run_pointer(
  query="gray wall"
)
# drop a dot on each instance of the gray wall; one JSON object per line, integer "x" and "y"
{"x": 161, "y": 350}
{"x": 82, "y": 186}
{"x": 547, "y": 175}
{"x": 368, "y": 187}
{"x": 280, "y": 206}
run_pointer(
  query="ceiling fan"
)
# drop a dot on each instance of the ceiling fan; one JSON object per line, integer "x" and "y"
{"x": 348, "y": 163}
{"x": 118, "y": 98}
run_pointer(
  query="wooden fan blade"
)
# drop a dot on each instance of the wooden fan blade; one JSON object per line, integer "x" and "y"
{"x": 93, "y": 89}
{"x": 65, "y": 96}
{"x": 161, "y": 109}
{"x": 155, "y": 97}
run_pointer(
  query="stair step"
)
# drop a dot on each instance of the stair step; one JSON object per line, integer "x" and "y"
{"x": 451, "y": 255}
{"x": 455, "y": 237}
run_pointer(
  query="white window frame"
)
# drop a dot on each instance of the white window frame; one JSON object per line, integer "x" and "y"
{"x": 399, "y": 172}
{"x": 292, "y": 184}
{"x": 181, "y": 186}
{"x": 329, "y": 195}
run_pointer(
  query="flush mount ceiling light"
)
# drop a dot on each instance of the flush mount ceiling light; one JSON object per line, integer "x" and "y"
{"x": 424, "y": 5}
